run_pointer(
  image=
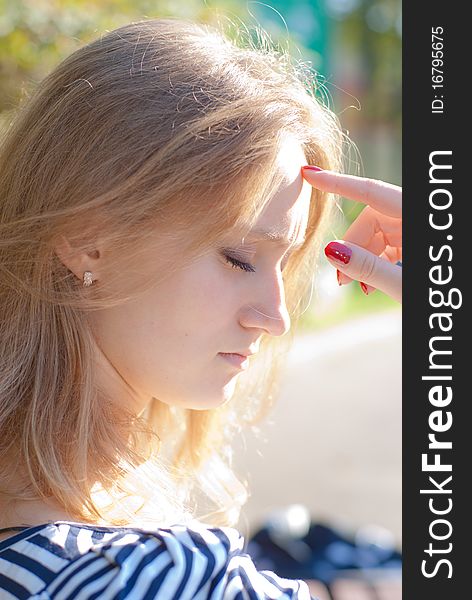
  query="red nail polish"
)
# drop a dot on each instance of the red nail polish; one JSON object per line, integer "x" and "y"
{"x": 364, "y": 288}
{"x": 312, "y": 168}
{"x": 338, "y": 275}
{"x": 338, "y": 252}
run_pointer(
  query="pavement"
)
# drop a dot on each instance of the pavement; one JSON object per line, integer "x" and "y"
{"x": 333, "y": 439}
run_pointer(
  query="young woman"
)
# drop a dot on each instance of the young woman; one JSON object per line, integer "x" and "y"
{"x": 158, "y": 238}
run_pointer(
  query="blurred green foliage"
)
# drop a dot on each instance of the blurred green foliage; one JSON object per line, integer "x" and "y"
{"x": 36, "y": 34}
{"x": 372, "y": 34}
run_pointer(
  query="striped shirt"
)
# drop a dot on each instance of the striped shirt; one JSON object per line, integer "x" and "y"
{"x": 64, "y": 560}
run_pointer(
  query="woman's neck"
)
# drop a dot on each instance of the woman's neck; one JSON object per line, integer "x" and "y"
{"x": 21, "y": 513}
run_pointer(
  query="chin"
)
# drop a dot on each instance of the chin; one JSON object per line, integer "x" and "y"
{"x": 213, "y": 398}
{"x": 210, "y": 402}
{"x": 205, "y": 399}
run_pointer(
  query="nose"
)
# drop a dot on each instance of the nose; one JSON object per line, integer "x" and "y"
{"x": 267, "y": 309}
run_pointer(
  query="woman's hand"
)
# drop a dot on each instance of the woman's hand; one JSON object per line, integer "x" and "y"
{"x": 372, "y": 245}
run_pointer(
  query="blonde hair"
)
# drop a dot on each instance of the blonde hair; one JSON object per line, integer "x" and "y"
{"x": 158, "y": 123}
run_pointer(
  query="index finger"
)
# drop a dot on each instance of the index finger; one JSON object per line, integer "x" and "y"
{"x": 384, "y": 197}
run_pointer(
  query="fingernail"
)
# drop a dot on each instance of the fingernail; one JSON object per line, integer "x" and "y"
{"x": 364, "y": 288}
{"x": 312, "y": 168}
{"x": 339, "y": 252}
{"x": 338, "y": 275}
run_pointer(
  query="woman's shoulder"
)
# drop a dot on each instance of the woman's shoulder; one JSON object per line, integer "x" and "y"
{"x": 193, "y": 560}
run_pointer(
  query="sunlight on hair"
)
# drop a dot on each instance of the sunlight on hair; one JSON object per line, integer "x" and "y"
{"x": 97, "y": 153}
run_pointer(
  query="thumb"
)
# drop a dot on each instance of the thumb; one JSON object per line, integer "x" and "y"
{"x": 358, "y": 263}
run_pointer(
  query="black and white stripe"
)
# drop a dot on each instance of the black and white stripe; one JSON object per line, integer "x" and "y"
{"x": 74, "y": 561}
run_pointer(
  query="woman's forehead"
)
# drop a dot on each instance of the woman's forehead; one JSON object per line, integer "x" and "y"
{"x": 291, "y": 158}
{"x": 286, "y": 214}
{"x": 284, "y": 218}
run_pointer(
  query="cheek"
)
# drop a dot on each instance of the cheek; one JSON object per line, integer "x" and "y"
{"x": 195, "y": 319}
{"x": 214, "y": 301}
{"x": 176, "y": 335}
{"x": 202, "y": 298}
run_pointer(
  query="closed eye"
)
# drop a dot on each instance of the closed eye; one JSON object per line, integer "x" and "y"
{"x": 239, "y": 264}
{"x": 244, "y": 266}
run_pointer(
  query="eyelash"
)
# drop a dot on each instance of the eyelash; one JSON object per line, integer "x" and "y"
{"x": 239, "y": 264}
{"x": 244, "y": 266}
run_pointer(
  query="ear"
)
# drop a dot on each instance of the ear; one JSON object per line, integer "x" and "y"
{"x": 77, "y": 261}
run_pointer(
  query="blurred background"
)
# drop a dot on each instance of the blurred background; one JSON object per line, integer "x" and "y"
{"x": 333, "y": 441}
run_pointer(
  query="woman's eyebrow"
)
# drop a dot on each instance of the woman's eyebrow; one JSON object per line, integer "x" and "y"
{"x": 272, "y": 235}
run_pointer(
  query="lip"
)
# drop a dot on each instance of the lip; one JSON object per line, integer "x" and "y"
{"x": 237, "y": 360}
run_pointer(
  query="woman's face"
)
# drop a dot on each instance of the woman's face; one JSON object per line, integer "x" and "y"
{"x": 181, "y": 340}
